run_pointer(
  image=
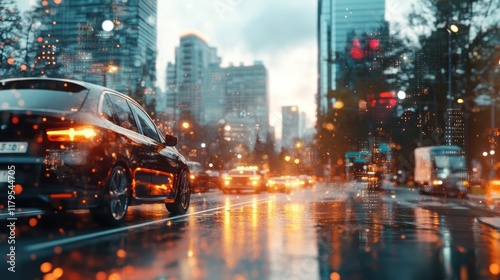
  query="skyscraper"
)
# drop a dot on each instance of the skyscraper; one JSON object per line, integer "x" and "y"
{"x": 235, "y": 96}
{"x": 110, "y": 43}
{"x": 238, "y": 96}
{"x": 337, "y": 20}
{"x": 185, "y": 76}
{"x": 455, "y": 124}
{"x": 290, "y": 125}
{"x": 214, "y": 94}
{"x": 247, "y": 95}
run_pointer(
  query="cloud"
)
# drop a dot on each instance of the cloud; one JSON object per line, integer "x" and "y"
{"x": 279, "y": 28}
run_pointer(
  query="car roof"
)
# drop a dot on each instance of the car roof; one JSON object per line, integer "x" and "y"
{"x": 81, "y": 83}
{"x": 94, "y": 90}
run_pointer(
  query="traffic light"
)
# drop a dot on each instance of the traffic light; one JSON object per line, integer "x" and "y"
{"x": 382, "y": 104}
{"x": 356, "y": 50}
{"x": 364, "y": 47}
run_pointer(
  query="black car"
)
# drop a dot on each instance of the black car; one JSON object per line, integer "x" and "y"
{"x": 67, "y": 144}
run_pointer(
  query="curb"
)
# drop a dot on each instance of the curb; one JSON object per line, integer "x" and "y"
{"x": 493, "y": 222}
{"x": 476, "y": 197}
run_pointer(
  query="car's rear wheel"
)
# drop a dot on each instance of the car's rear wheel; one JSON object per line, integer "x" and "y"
{"x": 115, "y": 200}
{"x": 183, "y": 197}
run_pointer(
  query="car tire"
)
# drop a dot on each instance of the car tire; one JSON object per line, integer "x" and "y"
{"x": 183, "y": 196}
{"x": 115, "y": 199}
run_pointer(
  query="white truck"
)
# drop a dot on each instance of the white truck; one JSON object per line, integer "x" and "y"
{"x": 441, "y": 170}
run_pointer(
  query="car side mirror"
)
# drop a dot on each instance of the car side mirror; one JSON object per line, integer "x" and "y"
{"x": 170, "y": 140}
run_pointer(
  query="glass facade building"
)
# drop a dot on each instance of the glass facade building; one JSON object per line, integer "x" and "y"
{"x": 338, "y": 20}
{"x": 247, "y": 96}
{"x": 185, "y": 76}
{"x": 237, "y": 96}
{"x": 112, "y": 43}
{"x": 290, "y": 125}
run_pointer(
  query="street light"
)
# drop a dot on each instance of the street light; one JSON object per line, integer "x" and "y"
{"x": 111, "y": 69}
{"x": 492, "y": 115}
{"x": 453, "y": 28}
{"x": 108, "y": 25}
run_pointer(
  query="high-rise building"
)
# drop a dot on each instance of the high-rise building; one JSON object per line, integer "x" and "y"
{"x": 233, "y": 96}
{"x": 247, "y": 96}
{"x": 214, "y": 94}
{"x": 290, "y": 125}
{"x": 185, "y": 77}
{"x": 337, "y": 21}
{"x": 455, "y": 127}
{"x": 111, "y": 43}
{"x": 238, "y": 97}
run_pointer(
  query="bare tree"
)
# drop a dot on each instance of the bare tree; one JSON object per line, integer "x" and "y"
{"x": 10, "y": 29}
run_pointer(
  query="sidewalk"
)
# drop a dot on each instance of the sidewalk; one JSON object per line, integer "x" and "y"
{"x": 477, "y": 197}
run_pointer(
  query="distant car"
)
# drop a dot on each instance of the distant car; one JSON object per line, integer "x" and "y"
{"x": 215, "y": 179}
{"x": 243, "y": 179}
{"x": 493, "y": 193}
{"x": 308, "y": 180}
{"x": 67, "y": 144}
{"x": 198, "y": 177}
{"x": 284, "y": 184}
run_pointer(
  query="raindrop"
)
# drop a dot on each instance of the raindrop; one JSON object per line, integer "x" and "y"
{"x": 494, "y": 269}
{"x": 45, "y": 267}
{"x": 100, "y": 275}
{"x": 121, "y": 253}
{"x": 57, "y": 250}
{"x": 33, "y": 222}
{"x": 58, "y": 272}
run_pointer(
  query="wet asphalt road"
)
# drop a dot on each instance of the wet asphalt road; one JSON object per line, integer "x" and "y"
{"x": 332, "y": 231}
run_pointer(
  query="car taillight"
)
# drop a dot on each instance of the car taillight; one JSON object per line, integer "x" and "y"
{"x": 71, "y": 134}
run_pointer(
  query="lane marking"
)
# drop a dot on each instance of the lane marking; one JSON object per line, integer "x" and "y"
{"x": 22, "y": 213}
{"x": 64, "y": 241}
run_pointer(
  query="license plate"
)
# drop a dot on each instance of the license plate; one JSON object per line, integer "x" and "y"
{"x": 13, "y": 147}
{"x": 4, "y": 176}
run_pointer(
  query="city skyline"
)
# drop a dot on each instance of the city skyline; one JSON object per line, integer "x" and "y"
{"x": 198, "y": 88}
{"x": 222, "y": 23}
{"x": 274, "y": 46}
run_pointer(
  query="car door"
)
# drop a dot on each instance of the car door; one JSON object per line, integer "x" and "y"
{"x": 163, "y": 166}
{"x": 135, "y": 148}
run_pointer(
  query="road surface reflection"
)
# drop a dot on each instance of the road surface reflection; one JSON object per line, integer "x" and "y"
{"x": 327, "y": 233}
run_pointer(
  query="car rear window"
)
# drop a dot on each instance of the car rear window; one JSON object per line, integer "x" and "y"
{"x": 195, "y": 167}
{"x": 42, "y": 95}
{"x": 240, "y": 172}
